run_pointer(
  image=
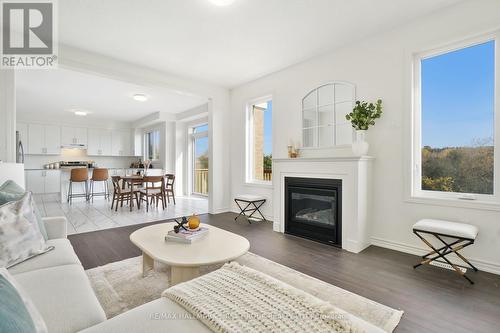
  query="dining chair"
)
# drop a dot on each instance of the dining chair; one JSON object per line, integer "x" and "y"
{"x": 154, "y": 189}
{"x": 120, "y": 194}
{"x": 169, "y": 186}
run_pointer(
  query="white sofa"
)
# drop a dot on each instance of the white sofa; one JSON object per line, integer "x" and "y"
{"x": 59, "y": 288}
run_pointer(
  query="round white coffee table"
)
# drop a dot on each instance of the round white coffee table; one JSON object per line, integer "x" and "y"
{"x": 218, "y": 246}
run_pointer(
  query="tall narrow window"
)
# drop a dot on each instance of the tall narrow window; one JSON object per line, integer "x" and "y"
{"x": 457, "y": 122}
{"x": 152, "y": 145}
{"x": 200, "y": 159}
{"x": 260, "y": 141}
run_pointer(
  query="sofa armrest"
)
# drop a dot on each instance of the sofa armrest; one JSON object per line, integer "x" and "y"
{"x": 56, "y": 227}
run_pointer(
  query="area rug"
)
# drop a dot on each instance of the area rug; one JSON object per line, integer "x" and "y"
{"x": 119, "y": 286}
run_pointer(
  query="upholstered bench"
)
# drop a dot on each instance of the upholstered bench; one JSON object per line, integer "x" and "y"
{"x": 249, "y": 203}
{"x": 461, "y": 235}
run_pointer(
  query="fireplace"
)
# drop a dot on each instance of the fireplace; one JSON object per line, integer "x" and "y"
{"x": 313, "y": 209}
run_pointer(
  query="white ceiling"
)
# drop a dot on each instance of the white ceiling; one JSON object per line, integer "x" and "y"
{"x": 228, "y": 45}
{"x": 52, "y": 93}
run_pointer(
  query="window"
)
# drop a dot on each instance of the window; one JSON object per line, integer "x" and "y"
{"x": 455, "y": 128}
{"x": 152, "y": 145}
{"x": 199, "y": 138}
{"x": 260, "y": 141}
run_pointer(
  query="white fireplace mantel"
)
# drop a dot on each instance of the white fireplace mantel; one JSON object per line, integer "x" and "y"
{"x": 355, "y": 173}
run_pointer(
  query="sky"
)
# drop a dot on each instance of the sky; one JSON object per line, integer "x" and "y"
{"x": 201, "y": 144}
{"x": 458, "y": 97}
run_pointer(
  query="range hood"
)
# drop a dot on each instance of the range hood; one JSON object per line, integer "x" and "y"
{"x": 74, "y": 146}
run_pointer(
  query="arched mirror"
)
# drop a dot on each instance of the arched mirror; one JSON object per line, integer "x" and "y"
{"x": 323, "y": 115}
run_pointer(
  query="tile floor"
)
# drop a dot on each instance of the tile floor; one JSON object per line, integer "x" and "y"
{"x": 84, "y": 217}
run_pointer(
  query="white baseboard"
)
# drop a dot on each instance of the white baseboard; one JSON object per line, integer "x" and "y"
{"x": 482, "y": 265}
{"x": 221, "y": 210}
{"x": 268, "y": 217}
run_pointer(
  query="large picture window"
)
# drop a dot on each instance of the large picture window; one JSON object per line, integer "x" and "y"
{"x": 455, "y": 128}
{"x": 260, "y": 141}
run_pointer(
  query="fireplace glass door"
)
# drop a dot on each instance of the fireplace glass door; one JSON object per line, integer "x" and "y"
{"x": 312, "y": 209}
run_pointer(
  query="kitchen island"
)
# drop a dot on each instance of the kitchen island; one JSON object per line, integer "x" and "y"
{"x": 51, "y": 181}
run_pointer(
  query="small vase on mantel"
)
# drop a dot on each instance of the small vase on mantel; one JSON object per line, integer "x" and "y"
{"x": 360, "y": 146}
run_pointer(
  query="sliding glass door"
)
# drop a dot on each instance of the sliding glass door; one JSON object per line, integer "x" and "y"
{"x": 200, "y": 159}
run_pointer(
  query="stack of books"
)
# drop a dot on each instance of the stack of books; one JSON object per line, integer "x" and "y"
{"x": 186, "y": 236}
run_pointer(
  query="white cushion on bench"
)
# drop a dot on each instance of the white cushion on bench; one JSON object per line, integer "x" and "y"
{"x": 249, "y": 197}
{"x": 456, "y": 229}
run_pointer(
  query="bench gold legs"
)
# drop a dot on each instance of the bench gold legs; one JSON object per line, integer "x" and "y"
{"x": 447, "y": 248}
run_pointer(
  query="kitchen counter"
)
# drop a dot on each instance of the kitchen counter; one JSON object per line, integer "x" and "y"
{"x": 79, "y": 188}
{"x": 39, "y": 181}
{"x": 37, "y": 169}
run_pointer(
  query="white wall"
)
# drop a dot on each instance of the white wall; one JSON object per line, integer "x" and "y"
{"x": 7, "y": 116}
{"x": 380, "y": 68}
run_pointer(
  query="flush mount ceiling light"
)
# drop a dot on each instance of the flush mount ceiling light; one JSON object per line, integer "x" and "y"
{"x": 140, "y": 97}
{"x": 79, "y": 112}
{"x": 222, "y": 2}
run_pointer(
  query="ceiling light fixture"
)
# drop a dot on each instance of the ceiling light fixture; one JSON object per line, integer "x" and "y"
{"x": 140, "y": 97}
{"x": 222, "y": 2}
{"x": 81, "y": 113}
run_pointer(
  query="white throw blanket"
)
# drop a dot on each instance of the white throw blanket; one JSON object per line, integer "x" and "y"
{"x": 236, "y": 298}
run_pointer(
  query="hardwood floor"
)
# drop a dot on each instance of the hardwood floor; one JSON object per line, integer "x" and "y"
{"x": 434, "y": 299}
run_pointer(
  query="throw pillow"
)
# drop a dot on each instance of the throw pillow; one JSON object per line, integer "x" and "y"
{"x": 17, "y": 313}
{"x": 10, "y": 191}
{"x": 20, "y": 237}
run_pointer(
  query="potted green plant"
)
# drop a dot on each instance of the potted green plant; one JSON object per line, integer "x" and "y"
{"x": 363, "y": 116}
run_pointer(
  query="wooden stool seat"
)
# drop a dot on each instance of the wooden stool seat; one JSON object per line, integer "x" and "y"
{"x": 78, "y": 175}
{"x": 99, "y": 175}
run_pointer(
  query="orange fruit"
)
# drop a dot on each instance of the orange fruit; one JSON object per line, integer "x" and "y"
{"x": 193, "y": 221}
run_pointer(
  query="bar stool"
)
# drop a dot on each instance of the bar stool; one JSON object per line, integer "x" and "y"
{"x": 99, "y": 175}
{"x": 78, "y": 175}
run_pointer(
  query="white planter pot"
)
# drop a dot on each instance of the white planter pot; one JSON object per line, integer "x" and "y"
{"x": 360, "y": 146}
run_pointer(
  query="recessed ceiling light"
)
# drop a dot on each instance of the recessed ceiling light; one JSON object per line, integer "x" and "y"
{"x": 140, "y": 97}
{"x": 81, "y": 113}
{"x": 222, "y": 2}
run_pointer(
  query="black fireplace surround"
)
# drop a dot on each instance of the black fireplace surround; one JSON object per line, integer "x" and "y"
{"x": 313, "y": 209}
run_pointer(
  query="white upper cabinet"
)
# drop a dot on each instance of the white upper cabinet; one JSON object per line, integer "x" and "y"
{"x": 74, "y": 136}
{"x": 44, "y": 139}
{"x": 99, "y": 142}
{"x": 40, "y": 139}
{"x": 121, "y": 143}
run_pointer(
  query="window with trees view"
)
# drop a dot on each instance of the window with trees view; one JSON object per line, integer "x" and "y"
{"x": 456, "y": 124}
{"x": 260, "y": 140}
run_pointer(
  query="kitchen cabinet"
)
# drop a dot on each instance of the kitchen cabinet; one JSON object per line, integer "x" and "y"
{"x": 44, "y": 139}
{"x": 43, "y": 181}
{"x": 73, "y": 136}
{"x": 52, "y": 182}
{"x": 99, "y": 142}
{"x": 121, "y": 141}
